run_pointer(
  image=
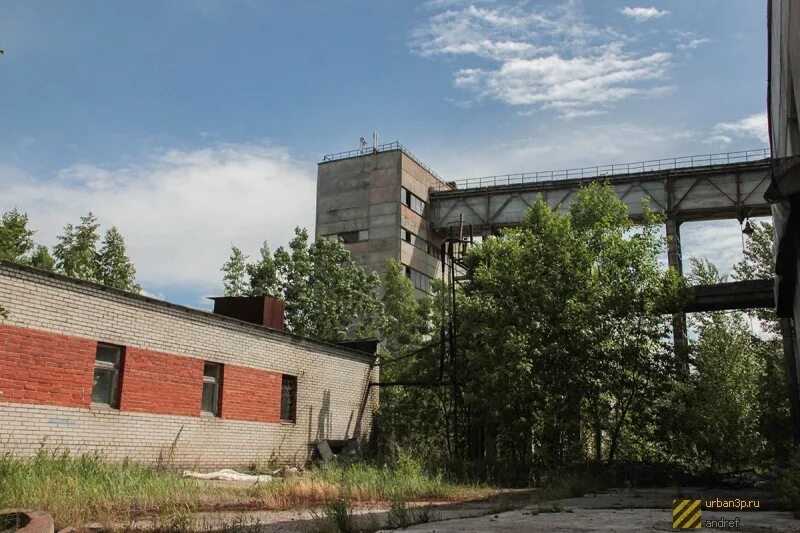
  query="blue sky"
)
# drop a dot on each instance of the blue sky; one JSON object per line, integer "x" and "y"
{"x": 195, "y": 124}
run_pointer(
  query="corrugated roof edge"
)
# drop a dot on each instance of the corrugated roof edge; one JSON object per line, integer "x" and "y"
{"x": 190, "y": 310}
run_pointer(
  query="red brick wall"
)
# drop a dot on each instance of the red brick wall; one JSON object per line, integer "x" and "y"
{"x": 250, "y": 394}
{"x": 48, "y": 368}
{"x": 155, "y": 382}
{"x": 45, "y": 368}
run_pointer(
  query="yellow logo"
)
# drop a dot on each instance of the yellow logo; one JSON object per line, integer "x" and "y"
{"x": 686, "y": 514}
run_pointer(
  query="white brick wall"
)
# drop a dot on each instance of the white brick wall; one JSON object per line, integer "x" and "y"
{"x": 332, "y": 381}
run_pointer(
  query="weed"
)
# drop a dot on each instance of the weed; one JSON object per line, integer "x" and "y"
{"x": 339, "y": 514}
{"x": 788, "y": 488}
{"x": 78, "y": 489}
{"x": 424, "y": 514}
{"x": 570, "y": 486}
{"x": 241, "y": 524}
{"x": 554, "y": 507}
{"x": 398, "y": 514}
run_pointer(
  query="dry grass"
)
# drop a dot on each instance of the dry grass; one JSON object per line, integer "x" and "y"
{"x": 77, "y": 490}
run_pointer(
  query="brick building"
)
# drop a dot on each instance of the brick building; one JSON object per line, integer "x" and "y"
{"x": 92, "y": 369}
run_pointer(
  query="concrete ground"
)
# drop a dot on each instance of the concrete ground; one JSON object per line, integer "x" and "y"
{"x": 619, "y": 510}
{"x": 366, "y": 517}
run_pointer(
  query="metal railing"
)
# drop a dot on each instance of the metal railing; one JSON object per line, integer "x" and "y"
{"x": 619, "y": 169}
{"x": 387, "y": 147}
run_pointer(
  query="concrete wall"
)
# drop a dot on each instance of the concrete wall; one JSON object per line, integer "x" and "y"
{"x": 419, "y": 181}
{"x": 363, "y": 192}
{"x": 784, "y": 105}
{"x": 46, "y": 358}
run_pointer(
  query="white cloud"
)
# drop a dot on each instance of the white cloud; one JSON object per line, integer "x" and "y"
{"x": 180, "y": 211}
{"x": 750, "y": 127}
{"x": 156, "y": 295}
{"x": 568, "y": 84}
{"x": 560, "y": 146}
{"x": 642, "y": 14}
{"x": 541, "y": 59}
{"x": 691, "y": 44}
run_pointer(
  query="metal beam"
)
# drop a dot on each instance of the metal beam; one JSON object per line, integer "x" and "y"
{"x": 712, "y": 192}
{"x": 749, "y": 294}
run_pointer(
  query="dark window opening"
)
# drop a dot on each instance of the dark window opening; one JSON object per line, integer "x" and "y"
{"x": 289, "y": 398}
{"x": 212, "y": 379}
{"x": 412, "y": 201}
{"x": 419, "y": 280}
{"x": 349, "y": 237}
{"x": 107, "y": 366}
{"x": 418, "y": 242}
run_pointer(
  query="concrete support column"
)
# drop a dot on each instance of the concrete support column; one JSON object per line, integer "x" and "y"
{"x": 790, "y": 360}
{"x": 673, "y": 227}
{"x": 675, "y": 261}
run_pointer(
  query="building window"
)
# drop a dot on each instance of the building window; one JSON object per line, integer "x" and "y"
{"x": 289, "y": 398}
{"x": 418, "y": 242}
{"x": 418, "y": 279}
{"x": 107, "y": 364}
{"x": 412, "y": 201}
{"x": 349, "y": 237}
{"x": 212, "y": 379}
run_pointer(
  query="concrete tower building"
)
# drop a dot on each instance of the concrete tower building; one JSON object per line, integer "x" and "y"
{"x": 376, "y": 200}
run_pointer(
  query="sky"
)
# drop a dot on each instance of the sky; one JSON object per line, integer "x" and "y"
{"x": 192, "y": 125}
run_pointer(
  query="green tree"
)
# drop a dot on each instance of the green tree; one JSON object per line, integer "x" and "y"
{"x": 16, "y": 239}
{"x": 235, "y": 269}
{"x": 758, "y": 263}
{"x": 114, "y": 267}
{"x": 722, "y": 418}
{"x": 343, "y": 296}
{"x": 41, "y": 259}
{"x": 327, "y": 295}
{"x": 564, "y": 328}
{"x": 76, "y": 252}
{"x": 411, "y": 418}
{"x": 774, "y": 415}
{"x": 294, "y": 266}
{"x": 407, "y": 317}
{"x": 264, "y": 275}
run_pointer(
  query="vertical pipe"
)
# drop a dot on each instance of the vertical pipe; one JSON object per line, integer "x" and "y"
{"x": 442, "y": 331}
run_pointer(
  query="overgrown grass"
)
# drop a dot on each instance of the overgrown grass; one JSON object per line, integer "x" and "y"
{"x": 79, "y": 489}
{"x": 361, "y": 482}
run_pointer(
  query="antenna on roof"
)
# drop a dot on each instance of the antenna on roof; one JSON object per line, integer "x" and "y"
{"x": 374, "y": 141}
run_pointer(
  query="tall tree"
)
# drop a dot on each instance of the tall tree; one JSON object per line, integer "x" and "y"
{"x": 16, "y": 239}
{"x": 343, "y": 296}
{"x": 722, "y": 417}
{"x": 114, "y": 267}
{"x": 774, "y": 416}
{"x": 407, "y": 317}
{"x": 294, "y": 267}
{"x": 235, "y": 269}
{"x": 76, "y": 251}
{"x": 264, "y": 275}
{"x": 328, "y": 296}
{"x": 410, "y": 418}
{"x": 758, "y": 263}
{"x": 563, "y": 323}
